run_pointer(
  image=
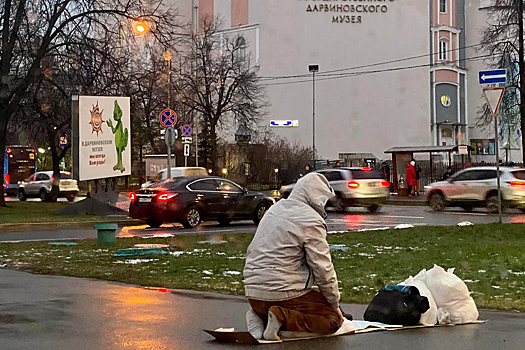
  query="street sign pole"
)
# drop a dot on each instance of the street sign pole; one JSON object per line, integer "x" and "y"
{"x": 169, "y": 138}
{"x": 496, "y": 149}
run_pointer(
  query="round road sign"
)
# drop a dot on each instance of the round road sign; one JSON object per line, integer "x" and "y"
{"x": 168, "y": 118}
{"x": 186, "y": 130}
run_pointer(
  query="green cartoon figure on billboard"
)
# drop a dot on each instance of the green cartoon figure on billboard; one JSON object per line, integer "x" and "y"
{"x": 121, "y": 136}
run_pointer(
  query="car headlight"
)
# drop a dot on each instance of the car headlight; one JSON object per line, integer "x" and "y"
{"x": 427, "y": 187}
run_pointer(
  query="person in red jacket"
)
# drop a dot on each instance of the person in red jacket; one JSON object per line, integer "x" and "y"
{"x": 411, "y": 177}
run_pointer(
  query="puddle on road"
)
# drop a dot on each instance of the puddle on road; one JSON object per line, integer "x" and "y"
{"x": 12, "y": 319}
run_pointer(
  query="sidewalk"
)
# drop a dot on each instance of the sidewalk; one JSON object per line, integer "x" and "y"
{"x": 48, "y": 313}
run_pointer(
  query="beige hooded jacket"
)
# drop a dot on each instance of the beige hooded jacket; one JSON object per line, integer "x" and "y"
{"x": 289, "y": 252}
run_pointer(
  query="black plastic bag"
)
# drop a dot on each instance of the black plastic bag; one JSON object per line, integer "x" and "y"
{"x": 392, "y": 306}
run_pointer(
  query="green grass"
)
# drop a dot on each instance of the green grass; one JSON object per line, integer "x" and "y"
{"x": 40, "y": 212}
{"x": 490, "y": 258}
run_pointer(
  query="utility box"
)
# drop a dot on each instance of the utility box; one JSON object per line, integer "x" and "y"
{"x": 106, "y": 233}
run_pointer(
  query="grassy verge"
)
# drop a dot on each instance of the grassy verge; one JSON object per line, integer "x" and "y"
{"x": 490, "y": 258}
{"x": 40, "y": 212}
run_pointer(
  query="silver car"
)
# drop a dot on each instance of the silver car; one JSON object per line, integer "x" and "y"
{"x": 477, "y": 187}
{"x": 354, "y": 187}
{"x": 39, "y": 185}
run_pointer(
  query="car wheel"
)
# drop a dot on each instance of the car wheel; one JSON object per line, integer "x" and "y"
{"x": 259, "y": 212}
{"x": 337, "y": 204}
{"x": 21, "y": 195}
{"x": 153, "y": 223}
{"x": 192, "y": 218}
{"x": 44, "y": 197}
{"x": 373, "y": 208}
{"x": 224, "y": 222}
{"x": 437, "y": 202}
{"x": 491, "y": 203}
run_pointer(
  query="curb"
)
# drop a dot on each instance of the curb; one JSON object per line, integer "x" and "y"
{"x": 58, "y": 225}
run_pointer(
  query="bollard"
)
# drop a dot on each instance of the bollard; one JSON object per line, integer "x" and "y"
{"x": 106, "y": 233}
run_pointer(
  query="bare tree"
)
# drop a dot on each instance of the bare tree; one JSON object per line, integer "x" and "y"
{"x": 33, "y": 31}
{"x": 503, "y": 39}
{"x": 216, "y": 81}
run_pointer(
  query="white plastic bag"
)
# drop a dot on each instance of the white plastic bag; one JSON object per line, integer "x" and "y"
{"x": 430, "y": 316}
{"x": 455, "y": 305}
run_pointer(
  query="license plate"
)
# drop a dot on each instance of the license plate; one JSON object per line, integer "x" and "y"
{"x": 372, "y": 184}
{"x": 144, "y": 200}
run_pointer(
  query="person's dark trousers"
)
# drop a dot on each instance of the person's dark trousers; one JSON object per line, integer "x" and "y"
{"x": 308, "y": 313}
{"x": 409, "y": 190}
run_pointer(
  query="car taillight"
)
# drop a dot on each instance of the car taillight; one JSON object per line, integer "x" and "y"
{"x": 385, "y": 184}
{"x": 353, "y": 184}
{"x": 517, "y": 183}
{"x": 164, "y": 197}
{"x": 132, "y": 196}
{"x": 7, "y": 178}
{"x": 9, "y": 150}
{"x": 366, "y": 169}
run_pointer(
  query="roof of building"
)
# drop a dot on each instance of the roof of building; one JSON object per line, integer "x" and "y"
{"x": 426, "y": 149}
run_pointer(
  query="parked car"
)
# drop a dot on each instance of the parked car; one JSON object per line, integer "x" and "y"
{"x": 478, "y": 187}
{"x": 40, "y": 183}
{"x": 354, "y": 187}
{"x": 191, "y": 200}
{"x": 177, "y": 172}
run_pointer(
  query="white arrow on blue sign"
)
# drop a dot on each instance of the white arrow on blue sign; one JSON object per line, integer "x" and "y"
{"x": 284, "y": 123}
{"x": 493, "y": 76}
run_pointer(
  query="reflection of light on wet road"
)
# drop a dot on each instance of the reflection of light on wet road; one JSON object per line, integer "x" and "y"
{"x": 520, "y": 219}
{"x": 136, "y": 313}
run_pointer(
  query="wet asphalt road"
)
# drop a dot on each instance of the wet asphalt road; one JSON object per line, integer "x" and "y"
{"x": 354, "y": 219}
{"x": 53, "y": 313}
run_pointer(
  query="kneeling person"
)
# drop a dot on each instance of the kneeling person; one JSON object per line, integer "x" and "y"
{"x": 288, "y": 254}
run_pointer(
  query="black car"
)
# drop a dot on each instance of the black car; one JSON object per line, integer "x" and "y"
{"x": 191, "y": 200}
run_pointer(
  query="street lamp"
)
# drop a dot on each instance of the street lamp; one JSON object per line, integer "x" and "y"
{"x": 276, "y": 171}
{"x": 225, "y": 171}
{"x": 313, "y": 68}
{"x": 140, "y": 28}
{"x": 167, "y": 57}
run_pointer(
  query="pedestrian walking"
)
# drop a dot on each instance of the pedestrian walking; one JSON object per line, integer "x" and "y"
{"x": 288, "y": 254}
{"x": 410, "y": 177}
{"x": 448, "y": 173}
{"x": 418, "y": 177}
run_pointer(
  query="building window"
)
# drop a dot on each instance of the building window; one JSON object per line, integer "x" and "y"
{"x": 240, "y": 46}
{"x": 443, "y": 50}
{"x": 487, "y": 147}
{"x": 446, "y": 133}
{"x": 443, "y": 6}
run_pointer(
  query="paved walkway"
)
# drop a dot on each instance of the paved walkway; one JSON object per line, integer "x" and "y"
{"x": 52, "y": 313}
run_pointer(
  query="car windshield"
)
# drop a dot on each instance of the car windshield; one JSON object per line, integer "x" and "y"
{"x": 365, "y": 174}
{"x": 520, "y": 174}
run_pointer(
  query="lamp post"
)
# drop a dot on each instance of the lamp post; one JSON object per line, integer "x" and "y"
{"x": 313, "y": 68}
{"x": 167, "y": 57}
{"x": 276, "y": 171}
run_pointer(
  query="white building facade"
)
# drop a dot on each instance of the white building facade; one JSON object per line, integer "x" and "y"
{"x": 391, "y": 72}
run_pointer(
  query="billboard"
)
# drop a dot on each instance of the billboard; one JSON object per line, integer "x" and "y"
{"x": 103, "y": 147}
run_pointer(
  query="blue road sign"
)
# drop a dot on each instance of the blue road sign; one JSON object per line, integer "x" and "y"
{"x": 168, "y": 118}
{"x": 187, "y": 130}
{"x": 493, "y": 76}
{"x": 284, "y": 123}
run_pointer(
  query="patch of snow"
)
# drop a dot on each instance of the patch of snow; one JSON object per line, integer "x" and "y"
{"x": 496, "y": 287}
{"x": 235, "y": 282}
{"x": 481, "y": 271}
{"x": 207, "y": 272}
{"x": 231, "y": 273}
{"x": 470, "y": 281}
{"x": 465, "y": 223}
{"x": 135, "y": 261}
{"x": 221, "y": 253}
{"x": 163, "y": 235}
{"x": 374, "y": 229}
{"x": 372, "y": 275}
{"x": 403, "y": 226}
{"x": 177, "y": 253}
{"x": 518, "y": 273}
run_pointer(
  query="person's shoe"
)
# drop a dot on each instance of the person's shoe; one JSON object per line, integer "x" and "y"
{"x": 270, "y": 333}
{"x": 255, "y": 324}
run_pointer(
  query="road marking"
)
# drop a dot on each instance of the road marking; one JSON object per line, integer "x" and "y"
{"x": 404, "y": 217}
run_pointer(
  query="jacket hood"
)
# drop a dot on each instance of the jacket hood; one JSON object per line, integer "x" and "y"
{"x": 314, "y": 190}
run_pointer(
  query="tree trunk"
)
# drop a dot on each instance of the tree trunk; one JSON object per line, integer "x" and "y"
{"x": 3, "y": 131}
{"x": 55, "y": 187}
{"x": 214, "y": 155}
{"x": 522, "y": 76}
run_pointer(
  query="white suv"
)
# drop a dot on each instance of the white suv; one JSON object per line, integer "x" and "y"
{"x": 477, "y": 187}
{"x": 39, "y": 185}
{"x": 354, "y": 187}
